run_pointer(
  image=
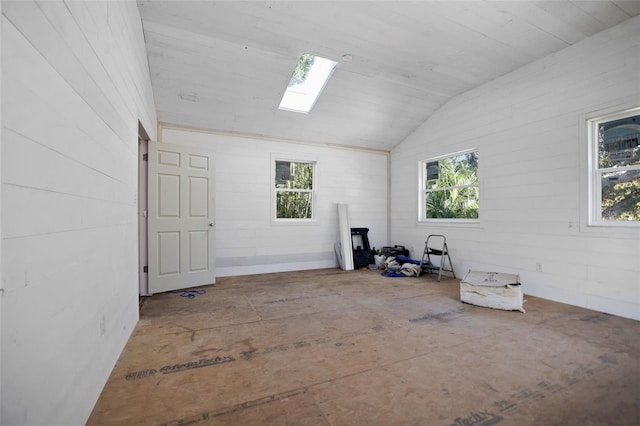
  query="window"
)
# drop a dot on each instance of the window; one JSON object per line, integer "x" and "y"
{"x": 309, "y": 78}
{"x": 294, "y": 183}
{"x": 614, "y": 178}
{"x": 449, "y": 187}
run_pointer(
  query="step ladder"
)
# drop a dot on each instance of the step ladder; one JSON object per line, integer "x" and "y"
{"x": 436, "y": 245}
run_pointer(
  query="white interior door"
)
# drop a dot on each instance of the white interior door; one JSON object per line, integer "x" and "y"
{"x": 181, "y": 217}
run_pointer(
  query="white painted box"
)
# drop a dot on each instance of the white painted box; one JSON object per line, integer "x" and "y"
{"x": 492, "y": 290}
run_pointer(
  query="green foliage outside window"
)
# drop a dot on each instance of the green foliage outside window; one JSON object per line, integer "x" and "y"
{"x": 451, "y": 187}
{"x": 302, "y": 69}
{"x": 621, "y": 196}
{"x": 294, "y": 190}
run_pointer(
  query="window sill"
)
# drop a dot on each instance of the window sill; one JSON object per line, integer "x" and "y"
{"x": 294, "y": 222}
{"x": 615, "y": 230}
{"x": 451, "y": 223}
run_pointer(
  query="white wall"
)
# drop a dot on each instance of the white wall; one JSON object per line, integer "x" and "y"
{"x": 529, "y": 128}
{"x": 75, "y": 83}
{"x": 246, "y": 240}
{"x": 1, "y": 282}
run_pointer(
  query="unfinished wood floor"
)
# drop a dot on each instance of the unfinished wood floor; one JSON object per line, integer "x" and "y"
{"x": 329, "y": 347}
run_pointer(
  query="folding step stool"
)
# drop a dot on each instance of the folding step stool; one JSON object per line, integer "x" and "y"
{"x": 432, "y": 247}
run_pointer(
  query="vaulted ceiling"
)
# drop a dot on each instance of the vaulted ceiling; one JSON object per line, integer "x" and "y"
{"x": 224, "y": 65}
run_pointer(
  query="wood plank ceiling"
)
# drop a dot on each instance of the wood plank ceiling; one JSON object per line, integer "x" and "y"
{"x": 224, "y": 65}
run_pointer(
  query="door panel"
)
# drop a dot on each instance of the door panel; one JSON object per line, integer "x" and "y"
{"x": 181, "y": 232}
{"x": 169, "y": 253}
{"x": 199, "y": 250}
{"x": 198, "y": 190}
{"x": 169, "y": 199}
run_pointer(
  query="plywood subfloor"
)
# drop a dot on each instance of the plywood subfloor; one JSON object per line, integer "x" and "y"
{"x": 330, "y": 347}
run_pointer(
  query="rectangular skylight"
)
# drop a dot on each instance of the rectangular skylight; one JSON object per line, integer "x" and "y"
{"x": 309, "y": 78}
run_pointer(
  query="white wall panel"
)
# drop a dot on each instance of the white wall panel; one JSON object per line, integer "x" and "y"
{"x": 78, "y": 83}
{"x": 529, "y": 128}
{"x": 1, "y": 209}
{"x": 246, "y": 240}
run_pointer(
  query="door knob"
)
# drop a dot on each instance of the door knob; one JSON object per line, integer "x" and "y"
{"x": 212, "y": 224}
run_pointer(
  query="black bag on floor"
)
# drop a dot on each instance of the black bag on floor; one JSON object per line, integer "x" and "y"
{"x": 395, "y": 251}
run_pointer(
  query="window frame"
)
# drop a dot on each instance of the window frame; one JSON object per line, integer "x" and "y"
{"x": 274, "y": 191}
{"x": 595, "y": 173}
{"x": 422, "y": 191}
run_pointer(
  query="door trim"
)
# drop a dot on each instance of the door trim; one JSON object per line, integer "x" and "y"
{"x": 143, "y": 247}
